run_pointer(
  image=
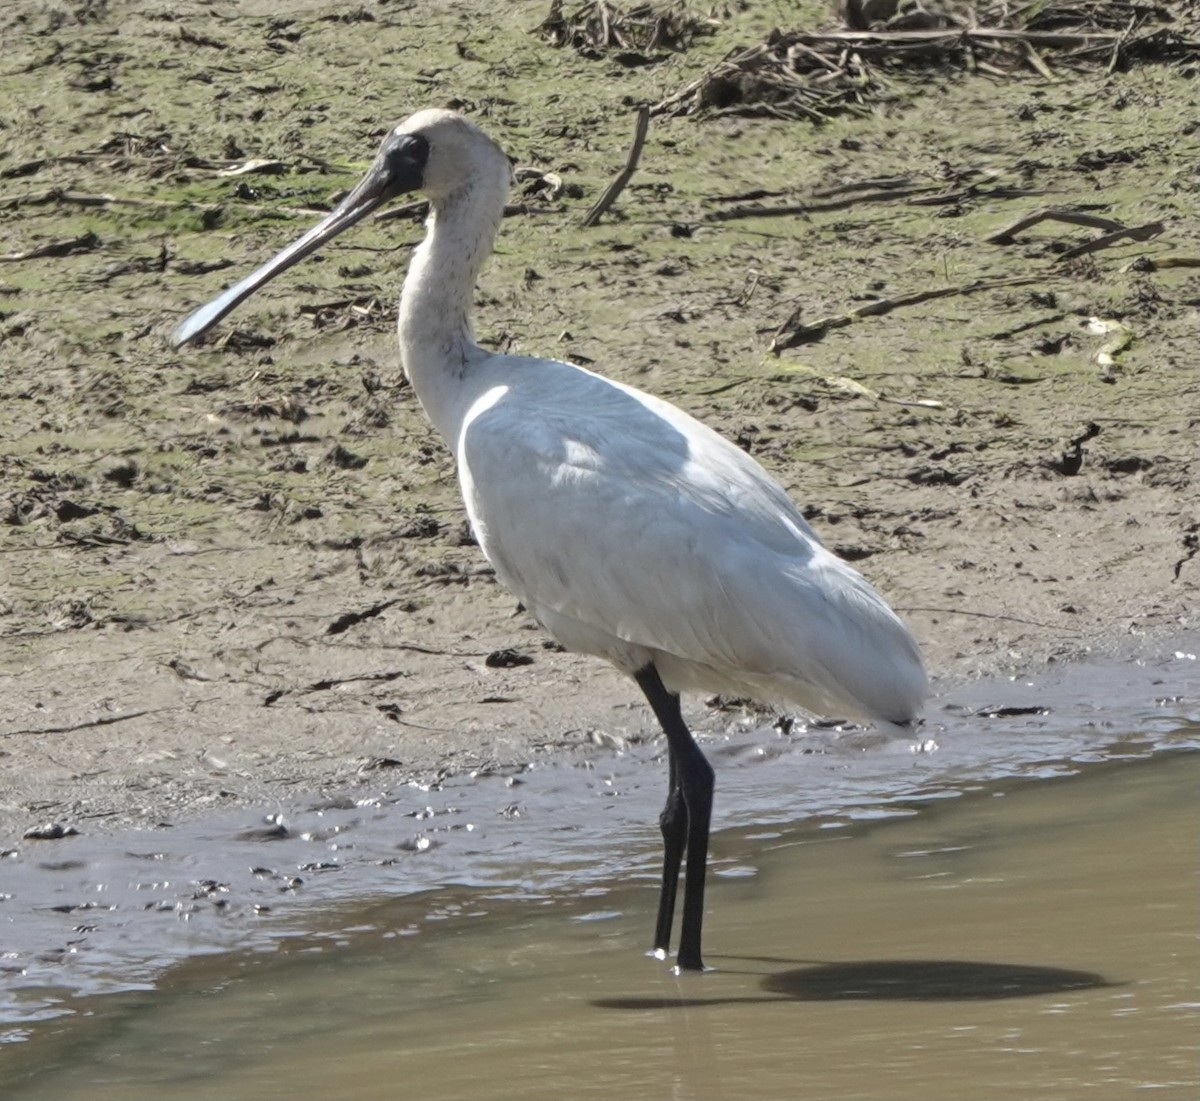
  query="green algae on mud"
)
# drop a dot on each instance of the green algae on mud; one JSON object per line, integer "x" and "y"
{"x": 236, "y": 543}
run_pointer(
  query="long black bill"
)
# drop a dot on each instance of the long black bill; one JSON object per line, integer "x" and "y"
{"x": 397, "y": 169}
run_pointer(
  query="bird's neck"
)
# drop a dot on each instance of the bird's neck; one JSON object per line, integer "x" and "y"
{"x": 437, "y": 343}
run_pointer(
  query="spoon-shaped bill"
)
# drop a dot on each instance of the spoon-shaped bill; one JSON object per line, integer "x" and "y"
{"x": 397, "y": 169}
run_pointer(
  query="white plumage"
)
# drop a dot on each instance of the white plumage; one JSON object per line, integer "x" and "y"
{"x": 633, "y": 532}
{"x": 628, "y": 529}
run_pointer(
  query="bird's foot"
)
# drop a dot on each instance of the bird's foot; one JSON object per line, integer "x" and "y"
{"x": 681, "y": 965}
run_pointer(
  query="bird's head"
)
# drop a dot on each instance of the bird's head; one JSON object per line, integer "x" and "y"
{"x": 436, "y": 152}
{"x": 453, "y": 154}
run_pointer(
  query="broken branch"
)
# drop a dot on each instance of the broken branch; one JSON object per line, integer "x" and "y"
{"x": 618, "y": 185}
{"x": 1132, "y": 233}
{"x": 804, "y": 334}
{"x": 1071, "y": 217}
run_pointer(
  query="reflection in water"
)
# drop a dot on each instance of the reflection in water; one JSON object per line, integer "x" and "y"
{"x": 152, "y": 899}
{"x": 895, "y": 980}
{"x": 1064, "y": 915}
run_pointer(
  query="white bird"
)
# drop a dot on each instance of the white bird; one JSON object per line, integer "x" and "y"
{"x": 626, "y": 527}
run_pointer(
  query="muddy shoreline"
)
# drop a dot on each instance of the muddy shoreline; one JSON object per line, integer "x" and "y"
{"x": 234, "y": 575}
{"x": 110, "y": 911}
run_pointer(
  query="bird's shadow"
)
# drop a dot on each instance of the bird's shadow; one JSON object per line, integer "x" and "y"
{"x": 885, "y": 980}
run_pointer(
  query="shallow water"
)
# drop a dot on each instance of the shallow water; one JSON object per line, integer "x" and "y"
{"x": 1013, "y": 914}
{"x": 1031, "y": 939}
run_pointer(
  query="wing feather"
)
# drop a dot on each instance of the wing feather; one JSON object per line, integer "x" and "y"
{"x": 612, "y": 511}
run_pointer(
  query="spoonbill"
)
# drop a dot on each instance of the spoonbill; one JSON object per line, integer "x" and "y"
{"x": 630, "y": 530}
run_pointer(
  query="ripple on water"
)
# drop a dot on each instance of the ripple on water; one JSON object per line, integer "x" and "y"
{"x": 90, "y": 914}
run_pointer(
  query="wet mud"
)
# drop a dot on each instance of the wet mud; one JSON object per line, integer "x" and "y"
{"x": 235, "y": 571}
{"x": 236, "y": 581}
{"x": 90, "y": 914}
{"x": 945, "y": 925}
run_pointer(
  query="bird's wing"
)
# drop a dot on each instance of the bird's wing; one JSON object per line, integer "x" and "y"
{"x": 618, "y": 511}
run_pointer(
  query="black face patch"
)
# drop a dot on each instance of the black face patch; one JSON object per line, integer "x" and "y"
{"x": 404, "y": 157}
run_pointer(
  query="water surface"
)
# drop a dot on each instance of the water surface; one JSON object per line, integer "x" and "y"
{"x": 1014, "y": 913}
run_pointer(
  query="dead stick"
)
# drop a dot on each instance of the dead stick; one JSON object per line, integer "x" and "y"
{"x": 915, "y": 196}
{"x": 85, "y": 198}
{"x": 816, "y": 208}
{"x": 1115, "y": 57}
{"x": 84, "y": 243}
{"x": 974, "y": 192}
{"x": 87, "y": 724}
{"x": 733, "y": 62}
{"x": 1161, "y": 263}
{"x": 1039, "y": 63}
{"x": 618, "y": 185}
{"x": 815, "y": 55}
{"x": 816, "y": 329}
{"x": 1133, "y": 233}
{"x": 1072, "y": 217}
{"x": 963, "y": 34}
{"x": 880, "y": 183}
{"x": 415, "y": 209}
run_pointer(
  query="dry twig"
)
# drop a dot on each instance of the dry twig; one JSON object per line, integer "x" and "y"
{"x": 626, "y": 174}
{"x": 86, "y": 242}
{"x": 1115, "y": 232}
{"x": 817, "y": 74}
{"x": 1126, "y": 233}
{"x": 1007, "y": 235}
{"x": 598, "y": 26}
{"x": 789, "y": 334}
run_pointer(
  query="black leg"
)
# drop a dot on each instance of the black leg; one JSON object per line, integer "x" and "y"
{"x": 692, "y": 784}
{"x": 673, "y": 823}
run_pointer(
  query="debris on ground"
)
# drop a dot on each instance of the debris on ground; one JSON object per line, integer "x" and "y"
{"x": 855, "y": 67}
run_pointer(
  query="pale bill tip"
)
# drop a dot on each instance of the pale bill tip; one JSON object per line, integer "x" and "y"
{"x": 197, "y": 323}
